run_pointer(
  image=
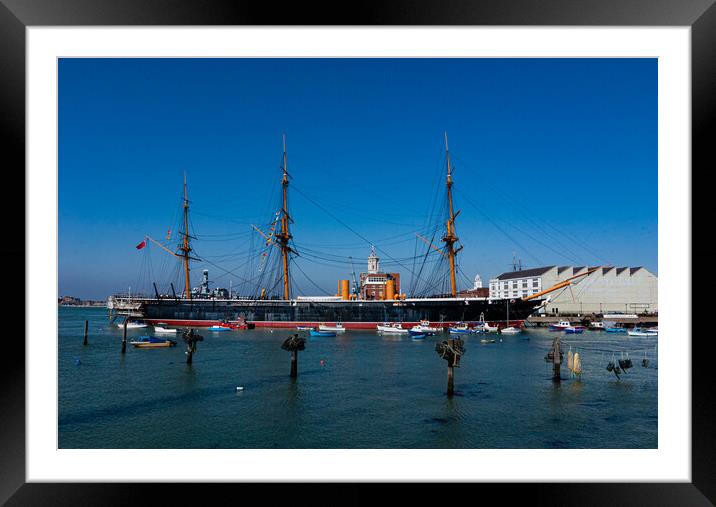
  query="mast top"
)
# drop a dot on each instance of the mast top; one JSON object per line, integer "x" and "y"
{"x": 450, "y": 237}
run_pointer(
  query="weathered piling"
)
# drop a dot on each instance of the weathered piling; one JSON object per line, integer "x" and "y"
{"x": 556, "y": 360}
{"x": 190, "y": 338}
{"x": 293, "y": 344}
{"x": 86, "y": 327}
{"x": 451, "y": 350}
{"x": 124, "y": 336}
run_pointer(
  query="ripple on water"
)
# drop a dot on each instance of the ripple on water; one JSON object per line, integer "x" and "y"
{"x": 368, "y": 393}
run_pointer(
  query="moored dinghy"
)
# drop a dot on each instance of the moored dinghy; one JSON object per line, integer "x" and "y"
{"x": 639, "y": 331}
{"x": 418, "y": 330}
{"x": 165, "y": 330}
{"x": 460, "y": 328}
{"x": 150, "y": 342}
{"x": 574, "y": 330}
{"x": 560, "y": 326}
{"x": 220, "y": 327}
{"x": 338, "y": 328}
{"x": 393, "y": 328}
{"x": 322, "y": 334}
{"x": 426, "y": 327}
{"x": 133, "y": 324}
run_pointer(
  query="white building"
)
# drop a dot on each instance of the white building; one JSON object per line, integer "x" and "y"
{"x": 608, "y": 289}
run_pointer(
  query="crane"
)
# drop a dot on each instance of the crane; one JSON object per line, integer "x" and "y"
{"x": 355, "y": 284}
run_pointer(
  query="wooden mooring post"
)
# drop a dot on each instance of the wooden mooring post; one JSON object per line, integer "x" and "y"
{"x": 293, "y": 344}
{"x": 86, "y": 327}
{"x": 190, "y": 338}
{"x": 451, "y": 350}
{"x": 556, "y": 360}
{"x": 124, "y": 336}
{"x": 451, "y": 380}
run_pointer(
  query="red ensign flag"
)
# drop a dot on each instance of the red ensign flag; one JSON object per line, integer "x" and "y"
{"x": 142, "y": 245}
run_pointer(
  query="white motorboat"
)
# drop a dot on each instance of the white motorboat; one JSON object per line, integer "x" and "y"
{"x": 165, "y": 330}
{"x": 425, "y": 327}
{"x": 560, "y": 326}
{"x": 483, "y": 327}
{"x": 338, "y": 328}
{"x": 638, "y": 331}
{"x": 133, "y": 324}
{"x": 393, "y": 328}
{"x": 460, "y": 328}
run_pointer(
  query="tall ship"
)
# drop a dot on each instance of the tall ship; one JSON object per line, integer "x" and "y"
{"x": 269, "y": 300}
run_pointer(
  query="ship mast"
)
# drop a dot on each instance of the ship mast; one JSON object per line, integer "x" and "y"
{"x": 284, "y": 236}
{"x": 185, "y": 248}
{"x": 450, "y": 237}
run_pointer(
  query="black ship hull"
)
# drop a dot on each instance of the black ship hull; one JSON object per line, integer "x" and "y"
{"x": 353, "y": 314}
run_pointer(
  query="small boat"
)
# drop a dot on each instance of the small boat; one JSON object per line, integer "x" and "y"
{"x": 133, "y": 324}
{"x": 615, "y": 330}
{"x": 416, "y": 330}
{"x": 560, "y": 326}
{"x": 574, "y": 330}
{"x": 338, "y": 328}
{"x": 220, "y": 327}
{"x": 483, "y": 327}
{"x": 393, "y": 328}
{"x": 165, "y": 330}
{"x": 511, "y": 330}
{"x": 150, "y": 342}
{"x": 427, "y": 328}
{"x": 418, "y": 336}
{"x": 304, "y": 328}
{"x": 322, "y": 334}
{"x": 597, "y": 326}
{"x": 460, "y": 328}
{"x": 638, "y": 331}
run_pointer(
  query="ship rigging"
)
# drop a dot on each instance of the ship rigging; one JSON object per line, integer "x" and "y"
{"x": 261, "y": 304}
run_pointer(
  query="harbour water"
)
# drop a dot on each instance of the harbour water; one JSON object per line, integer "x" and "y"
{"x": 359, "y": 390}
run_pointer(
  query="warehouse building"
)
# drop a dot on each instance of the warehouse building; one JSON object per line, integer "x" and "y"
{"x": 607, "y": 289}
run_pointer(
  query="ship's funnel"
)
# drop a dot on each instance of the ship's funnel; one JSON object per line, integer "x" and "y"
{"x": 390, "y": 289}
{"x": 345, "y": 290}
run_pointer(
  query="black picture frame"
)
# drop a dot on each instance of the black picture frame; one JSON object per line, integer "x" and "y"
{"x": 16, "y": 15}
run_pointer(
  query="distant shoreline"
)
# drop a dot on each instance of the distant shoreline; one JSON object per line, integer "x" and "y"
{"x": 84, "y": 304}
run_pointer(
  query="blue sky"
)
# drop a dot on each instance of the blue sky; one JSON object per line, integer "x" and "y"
{"x": 555, "y": 160}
